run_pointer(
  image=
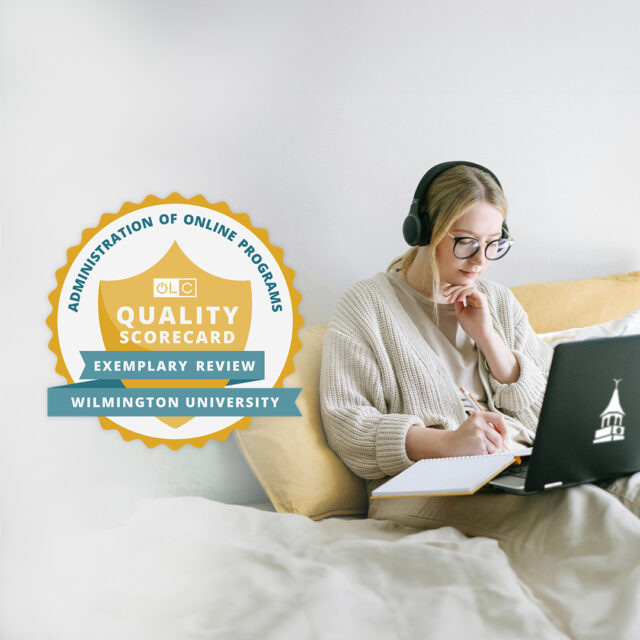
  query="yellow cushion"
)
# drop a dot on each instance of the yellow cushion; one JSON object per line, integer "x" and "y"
{"x": 290, "y": 456}
{"x": 567, "y": 304}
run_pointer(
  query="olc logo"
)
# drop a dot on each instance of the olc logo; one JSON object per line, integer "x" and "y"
{"x": 174, "y": 287}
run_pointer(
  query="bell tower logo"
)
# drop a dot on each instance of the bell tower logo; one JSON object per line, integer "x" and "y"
{"x": 174, "y": 321}
{"x": 611, "y": 419}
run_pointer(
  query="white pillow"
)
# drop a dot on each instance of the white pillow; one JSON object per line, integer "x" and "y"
{"x": 627, "y": 325}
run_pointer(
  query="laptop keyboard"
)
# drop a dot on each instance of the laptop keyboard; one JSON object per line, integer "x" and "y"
{"x": 519, "y": 470}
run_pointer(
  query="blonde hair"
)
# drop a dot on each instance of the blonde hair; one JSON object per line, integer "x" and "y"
{"x": 449, "y": 197}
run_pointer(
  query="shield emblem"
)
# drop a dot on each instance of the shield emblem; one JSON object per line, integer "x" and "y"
{"x": 174, "y": 306}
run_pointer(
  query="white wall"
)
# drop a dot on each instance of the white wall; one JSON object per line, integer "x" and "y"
{"x": 316, "y": 118}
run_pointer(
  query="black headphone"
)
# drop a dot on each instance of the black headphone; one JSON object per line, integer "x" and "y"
{"x": 417, "y": 227}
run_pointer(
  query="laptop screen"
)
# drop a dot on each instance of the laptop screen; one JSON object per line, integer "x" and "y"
{"x": 589, "y": 426}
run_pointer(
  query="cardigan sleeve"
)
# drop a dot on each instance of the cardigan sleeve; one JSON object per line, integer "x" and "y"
{"x": 370, "y": 441}
{"x": 534, "y": 357}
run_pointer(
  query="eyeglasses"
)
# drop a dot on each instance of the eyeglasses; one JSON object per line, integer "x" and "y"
{"x": 467, "y": 247}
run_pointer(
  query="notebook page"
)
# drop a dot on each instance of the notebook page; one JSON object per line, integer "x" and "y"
{"x": 436, "y": 476}
{"x": 522, "y": 451}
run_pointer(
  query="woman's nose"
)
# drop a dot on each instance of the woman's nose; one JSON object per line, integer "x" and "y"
{"x": 479, "y": 258}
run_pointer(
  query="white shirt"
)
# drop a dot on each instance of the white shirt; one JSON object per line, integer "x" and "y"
{"x": 455, "y": 348}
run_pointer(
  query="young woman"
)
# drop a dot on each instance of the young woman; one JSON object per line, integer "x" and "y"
{"x": 399, "y": 346}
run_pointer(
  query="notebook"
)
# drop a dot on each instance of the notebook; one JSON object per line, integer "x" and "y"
{"x": 461, "y": 475}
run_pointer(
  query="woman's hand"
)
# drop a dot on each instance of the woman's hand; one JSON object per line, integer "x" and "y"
{"x": 475, "y": 436}
{"x": 474, "y": 318}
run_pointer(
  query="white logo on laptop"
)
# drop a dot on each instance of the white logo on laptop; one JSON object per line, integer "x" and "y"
{"x": 611, "y": 420}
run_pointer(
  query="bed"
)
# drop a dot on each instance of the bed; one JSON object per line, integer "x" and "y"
{"x": 310, "y": 564}
{"x": 188, "y": 567}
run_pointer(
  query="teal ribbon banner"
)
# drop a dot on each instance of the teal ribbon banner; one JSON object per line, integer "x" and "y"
{"x": 98, "y": 398}
{"x": 235, "y": 366}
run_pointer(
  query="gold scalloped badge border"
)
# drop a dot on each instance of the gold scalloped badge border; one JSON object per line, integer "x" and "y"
{"x": 175, "y": 198}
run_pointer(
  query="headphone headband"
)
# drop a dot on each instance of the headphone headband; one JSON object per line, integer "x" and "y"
{"x": 417, "y": 227}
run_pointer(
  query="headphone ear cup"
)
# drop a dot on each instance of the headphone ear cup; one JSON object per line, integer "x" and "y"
{"x": 412, "y": 229}
{"x": 416, "y": 229}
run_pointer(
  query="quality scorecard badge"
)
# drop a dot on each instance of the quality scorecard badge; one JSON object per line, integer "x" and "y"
{"x": 174, "y": 321}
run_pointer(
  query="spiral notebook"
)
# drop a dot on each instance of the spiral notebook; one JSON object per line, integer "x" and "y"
{"x": 447, "y": 476}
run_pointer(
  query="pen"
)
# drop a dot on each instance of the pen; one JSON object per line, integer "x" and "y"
{"x": 475, "y": 402}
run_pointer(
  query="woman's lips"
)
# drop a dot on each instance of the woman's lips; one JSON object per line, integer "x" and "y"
{"x": 469, "y": 274}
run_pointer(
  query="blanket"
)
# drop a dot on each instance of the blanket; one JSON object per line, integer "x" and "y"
{"x": 188, "y": 567}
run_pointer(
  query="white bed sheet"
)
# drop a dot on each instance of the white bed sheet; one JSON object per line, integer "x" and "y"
{"x": 188, "y": 567}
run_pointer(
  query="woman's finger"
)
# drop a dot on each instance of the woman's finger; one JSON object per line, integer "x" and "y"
{"x": 452, "y": 287}
{"x": 455, "y": 294}
{"x": 497, "y": 420}
{"x": 493, "y": 437}
{"x": 472, "y": 298}
{"x": 463, "y": 289}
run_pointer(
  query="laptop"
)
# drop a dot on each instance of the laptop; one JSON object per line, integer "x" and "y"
{"x": 589, "y": 426}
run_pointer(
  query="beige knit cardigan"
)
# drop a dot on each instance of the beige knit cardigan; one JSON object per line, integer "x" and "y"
{"x": 379, "y": 376}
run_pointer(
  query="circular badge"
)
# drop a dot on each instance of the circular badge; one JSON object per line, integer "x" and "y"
{"x": 174, "y": 321}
